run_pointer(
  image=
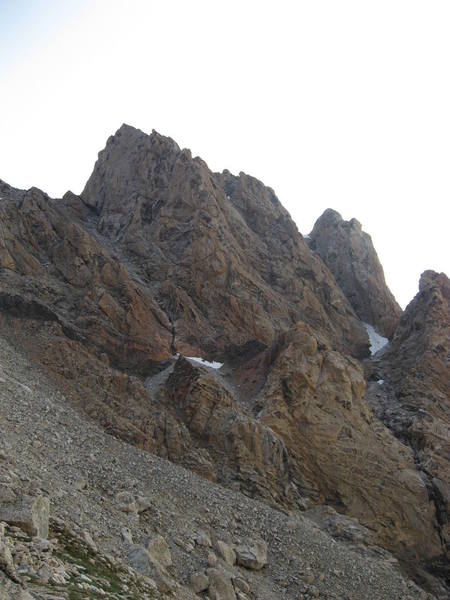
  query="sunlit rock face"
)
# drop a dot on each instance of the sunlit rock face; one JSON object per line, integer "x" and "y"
{"x": 349, "y": 254}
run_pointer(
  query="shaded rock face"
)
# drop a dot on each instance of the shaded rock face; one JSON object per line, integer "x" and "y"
{"x": 414, "y": 397}
{"x": 349, "y": 254}
{"x": 53, "y": 270}
{"x": 220, "y": 253}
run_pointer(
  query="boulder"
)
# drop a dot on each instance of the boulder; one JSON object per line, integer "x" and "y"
{"x": 199, "y": 582}
{"x": 126, "y": 534}
{"x": 225, "y": 552}
{"x": 203, "y": 539}
{"x": 30, "y": 513}
{"x": 159, "y": 550}
{"x": 241, "y": 585}
{"x": 252, "y": 554}
{"x": 126, "y": 502}
{"x": 220, "y": 586}
{"x": 141, "y": 561}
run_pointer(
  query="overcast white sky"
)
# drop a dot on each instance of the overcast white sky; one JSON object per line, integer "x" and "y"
{"x": 342, "y": 104}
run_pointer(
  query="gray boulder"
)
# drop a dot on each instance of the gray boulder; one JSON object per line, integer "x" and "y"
{"x": 30, "y": 513}
{"x": 220, "y": 586}
{"x": 252, "y": 554}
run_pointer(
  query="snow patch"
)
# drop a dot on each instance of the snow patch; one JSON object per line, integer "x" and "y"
{"x": 205, "y": 363}
{"x": 380, "y": 381}
{"x": 376, "y": 340}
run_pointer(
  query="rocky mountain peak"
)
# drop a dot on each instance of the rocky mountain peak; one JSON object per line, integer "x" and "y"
{"x": 181, "y": 312}
{"x": 430, "y": 279}
{"x": 212, "y": 246}
{"x": 349, "y": 254}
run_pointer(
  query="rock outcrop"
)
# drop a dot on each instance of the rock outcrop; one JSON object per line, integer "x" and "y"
{"x": 55, "y": 272}
{"x": 349, "y": 254}
{"x": 410, "y": 386}
{"x": 313, "y": 398}
{"x": 44, "y": 440}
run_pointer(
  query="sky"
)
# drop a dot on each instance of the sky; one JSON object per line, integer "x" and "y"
{"x": 332, "y": 104}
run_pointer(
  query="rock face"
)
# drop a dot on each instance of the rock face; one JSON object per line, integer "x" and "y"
{"x": 238, "y": 447}
{"x": 160, "y": 256}
{"x": 55, "y": 272}
{"x": 313, "y": 398}
{"x": 413, "y": 399}
{"x": 220, "y": 253}
{"x": 61, "y": 445}
{"x": 349, "y": 254}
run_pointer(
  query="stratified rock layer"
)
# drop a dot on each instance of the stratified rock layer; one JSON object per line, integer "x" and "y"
{"x": 349, "y": 254}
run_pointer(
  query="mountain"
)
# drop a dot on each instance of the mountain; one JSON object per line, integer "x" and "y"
{"x": 349, "y": 254}
{"x": 183, "y": 313}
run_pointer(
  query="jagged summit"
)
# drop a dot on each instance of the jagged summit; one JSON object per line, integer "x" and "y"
{"x": 349, "y": 254}
{"x": 216, "y": 246}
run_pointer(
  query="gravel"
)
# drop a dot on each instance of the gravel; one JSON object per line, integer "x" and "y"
{"x": 48, "y": 441}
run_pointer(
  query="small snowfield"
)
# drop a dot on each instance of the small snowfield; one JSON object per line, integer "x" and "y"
{"x": 377, "y": 341}
{"x": 206, "y": 363}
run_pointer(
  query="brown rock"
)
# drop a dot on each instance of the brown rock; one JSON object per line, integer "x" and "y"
{"x": 160, "y": 254}
{"x": 56, "y": 258}
{"x": 225, "y": 552}
{"x": 159, "y": 551}
{"x": 199, "y": 582}
{"x": 413, "y": 400}
{"x": 220, "y": 586}
{"x": 314, "y": 400}
{"x": 236, "y": 441}
{"x": 349, "y": 254}
{"x": 225, "y": 256}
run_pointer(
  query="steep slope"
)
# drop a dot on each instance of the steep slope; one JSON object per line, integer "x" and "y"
{"x": 220, "y": 253}
{"x": 47, "y": 449}
{"x": 314, "y": 400}
{"x": 349, "y": 254}
{"x": 410, "y": 389}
